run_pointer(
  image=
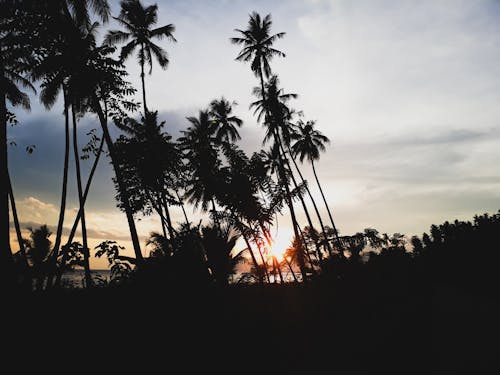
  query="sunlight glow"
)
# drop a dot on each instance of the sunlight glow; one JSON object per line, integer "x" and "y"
{"x": 281, "y": 241}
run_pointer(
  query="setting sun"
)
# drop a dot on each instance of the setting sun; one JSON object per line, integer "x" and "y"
{"x": 280, "y": 242}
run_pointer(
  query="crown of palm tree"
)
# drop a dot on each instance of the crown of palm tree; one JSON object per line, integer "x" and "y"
{"x": 257, "y": 44}
{"x": 310, "y": 142}
{"x": 138, "y": 22}
{"x": 226, "y": 124}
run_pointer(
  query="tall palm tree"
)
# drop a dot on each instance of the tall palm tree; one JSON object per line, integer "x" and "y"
{"x": 138, "y": 22}
{"x": 10, "y": 80}
{"x": 226, "y": 124}
{"x": 198, "y": 143}
{"x": 257, "y": 42}
{"x": 257, "y": 45}
{"x": 14, "y": 63}
{"x": 310, "y": 142}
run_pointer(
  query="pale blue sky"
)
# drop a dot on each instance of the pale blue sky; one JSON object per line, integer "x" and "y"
{"x": 408, "y": 92}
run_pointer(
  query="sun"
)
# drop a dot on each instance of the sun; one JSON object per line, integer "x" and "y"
{"x": 280, "y": 242}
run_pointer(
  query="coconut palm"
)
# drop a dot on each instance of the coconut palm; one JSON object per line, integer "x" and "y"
{"x": 257, "y": 45}
{"x": 219, "y": 247}
{"x": 309, "y": 144}
{"x": 138, "y": 22}
{"x": 257, "y": 42}
{"x": 226, "y": 124}
{"x": 198, "y": 143}
{"x": 14, "y": 63}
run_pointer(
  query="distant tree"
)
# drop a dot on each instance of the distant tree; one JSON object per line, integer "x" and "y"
{"x": 38, "y": 249}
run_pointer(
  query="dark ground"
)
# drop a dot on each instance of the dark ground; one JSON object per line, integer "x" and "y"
{"x": 316, "y": 328}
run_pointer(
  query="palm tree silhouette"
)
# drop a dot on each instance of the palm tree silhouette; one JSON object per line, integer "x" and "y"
{"x": 219, "y": 244}
{"x": 61, "y": 63}
{"x": 257, "y": 42}
{"x": 279, "y": 123}
{"x": 199, "y": 145}
{"x": 38, "y": 249}
{"x": 309, "y": 144}
{"x": 13, "y": 65}
{"x": 138, "y": 22}
{"x": 226, "y": 124}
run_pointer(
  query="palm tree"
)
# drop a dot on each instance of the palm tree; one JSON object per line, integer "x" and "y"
{"x": 69, "y": 241}
{"x": 226, "y": 124}
{"x": 13, "y": 65}
{"x": 257, "y": 44}
{"x": 38, "y": 249}
{"x": 219, "y": 245}
{"x": 309, "y": 144}
{"x": 138, "y": 22}
{"x": 278, "y": 123}
{"x": 198, "y": 143}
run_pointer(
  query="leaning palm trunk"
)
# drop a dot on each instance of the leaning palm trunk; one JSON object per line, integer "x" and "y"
{"x": 306, "y": 211}
{"x": 339, "y": 243}
{"x": 22, "y": 249}
{"x": 55, "y": 251}
{"x": 287, "y": 189}
{"x": 264, "y": 263}
{"x": 327, "y": 244}
{"x": 5, "y": 251}
{"x": 86, "y": 264}
{"x": 182, "y": 207}
{"x": 119, "y": 179}
{"x": 79, "y": 215}
{"x": 247, "y": 242}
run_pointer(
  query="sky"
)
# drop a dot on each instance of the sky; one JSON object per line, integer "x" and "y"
{"x": 407, "y": 91}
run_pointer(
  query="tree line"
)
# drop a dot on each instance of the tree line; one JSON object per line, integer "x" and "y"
{"x": 53, "y": 45}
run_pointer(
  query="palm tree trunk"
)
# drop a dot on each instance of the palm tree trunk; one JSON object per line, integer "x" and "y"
{"x": 86, "y": 264}
{"x": 339, "y": 243}
{"x": 264, "y": 263}
{"x": 327, "y": 244}
{"x": 216, "y": 219}
{"x": 170, "y": 227}
{"x": 143, "y": 82}
{"x": 5, "y": 250}
{"x": 62, "y": 208}
{"x": 291, "y": 269}
{"x": 79, "y": 215}
{"x": 287, "y": 190}
{"x": 16, "y": 223}
{"x": 254, "y": 259}
{"x": 119, "y": 179}
{"x": 306, "y": 211}
{"x": 182, "y": 207}
{"x": 277, "y": 266}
